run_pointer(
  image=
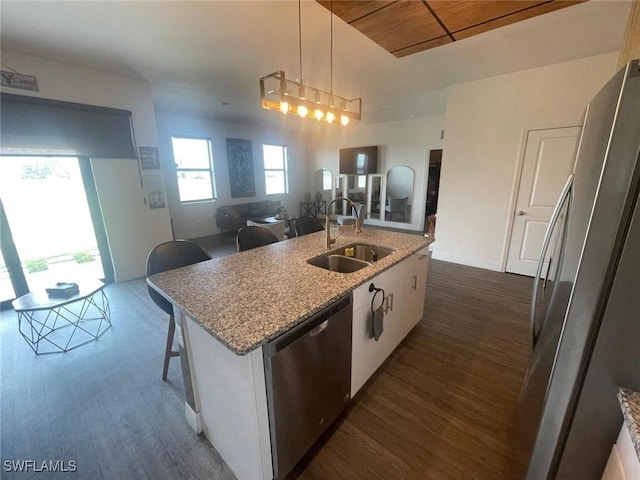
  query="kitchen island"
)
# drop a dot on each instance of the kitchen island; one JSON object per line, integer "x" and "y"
{"x": 624, "y": 459}
{"x": 229, "y": 309}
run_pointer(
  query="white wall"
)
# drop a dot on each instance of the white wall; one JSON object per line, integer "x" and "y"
{"x": 399, "y": 143}
{"x": 485, "y": 127}
{"x": 192, "y": 220}
{"x": 132, "y": 228}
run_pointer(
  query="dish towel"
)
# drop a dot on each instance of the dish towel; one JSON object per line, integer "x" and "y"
{"x": 376, "y": 322}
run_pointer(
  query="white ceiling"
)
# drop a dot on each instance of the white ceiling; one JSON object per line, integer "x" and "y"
{"x": 196, "y": 55}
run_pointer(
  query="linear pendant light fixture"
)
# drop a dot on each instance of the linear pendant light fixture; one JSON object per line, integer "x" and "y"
{"x": 293, "y": 96}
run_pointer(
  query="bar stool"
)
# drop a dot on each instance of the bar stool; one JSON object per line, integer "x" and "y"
{"x": 253, "y": 237}
{"x": 168, "y": 256}
{"x": 357, "y": 219}
{"x": 306, "y": 225}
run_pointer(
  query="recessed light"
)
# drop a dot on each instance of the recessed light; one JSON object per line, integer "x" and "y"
{"x": 225, "y": 104}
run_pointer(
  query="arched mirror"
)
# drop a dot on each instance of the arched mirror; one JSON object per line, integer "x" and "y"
{"x": 399, "y": 194}
{"x": 322, "y": 183}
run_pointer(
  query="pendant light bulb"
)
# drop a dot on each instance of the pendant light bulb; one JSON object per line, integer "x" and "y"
{"x": 330, "y": 117}
{"x": 318, "y": 114}
{"x": 284, "y": 107}
{"x": 344, "y": 120}
{"x": 302, "y": 111}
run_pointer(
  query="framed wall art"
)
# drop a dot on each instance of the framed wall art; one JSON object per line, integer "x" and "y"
{"x": 154, "y": 190}
{"x": 240, "y": 160}
{"x": 149, "y": 158}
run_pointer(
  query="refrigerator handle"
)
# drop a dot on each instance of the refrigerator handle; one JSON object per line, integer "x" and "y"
{"x": 546, "y": 276}
{"x": 566, "y": 190}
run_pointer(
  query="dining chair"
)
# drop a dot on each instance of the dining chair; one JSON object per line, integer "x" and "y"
{"x": 397, "y": 205}
{"x": 252, "y": 237}
{"x": 305, "y": 225}
{"x": 276, "y": 227}
{"x": 358, "y": 218}
{"x": 168, "y": 256}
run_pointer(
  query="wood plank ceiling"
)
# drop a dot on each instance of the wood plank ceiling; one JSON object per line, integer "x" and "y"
{"x": 405, "y": 27}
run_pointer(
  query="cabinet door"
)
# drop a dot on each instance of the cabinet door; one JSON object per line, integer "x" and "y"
{"x": 367, "y": 353}
{"x": 404, "y": 285}
{"x": 413, "y": 291}
{"x": 407, "y": 297}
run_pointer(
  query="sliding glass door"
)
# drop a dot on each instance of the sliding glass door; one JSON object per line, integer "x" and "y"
{"x": 12, "y": 281}
{"x": 50, "y": 222}
{"x": 6, "y": 289}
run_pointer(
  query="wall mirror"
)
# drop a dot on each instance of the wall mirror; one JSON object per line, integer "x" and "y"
{"x": 322, "y": 184}
{"x": 356, "y": 189}
{"x": 399, "y": 194}
{"x": 340, "y": 191}
{"x": 374, "y": 196}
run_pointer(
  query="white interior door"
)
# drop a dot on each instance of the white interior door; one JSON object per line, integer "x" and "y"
{"x": 549, "y": 155}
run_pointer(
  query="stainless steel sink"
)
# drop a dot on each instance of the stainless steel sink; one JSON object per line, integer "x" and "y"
{"x": 350, "y": 258}
{"x": 338, "y": 263}
{"x": 368, "y": 253}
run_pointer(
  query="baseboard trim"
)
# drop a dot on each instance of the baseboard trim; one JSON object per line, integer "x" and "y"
{"x": 468, "y": 261}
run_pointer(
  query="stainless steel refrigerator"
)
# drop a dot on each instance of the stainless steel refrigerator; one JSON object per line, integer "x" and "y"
{"x": 585, "y": 313}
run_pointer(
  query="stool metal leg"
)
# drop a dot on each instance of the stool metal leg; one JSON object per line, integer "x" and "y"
{"x": 168, "y": 353}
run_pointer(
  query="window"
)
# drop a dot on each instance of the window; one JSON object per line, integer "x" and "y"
{"x": 194, "y": 169}
{"x": 362, "y": 181}
{"x": 275, "y": 169}
{"x": 326, "y": 179}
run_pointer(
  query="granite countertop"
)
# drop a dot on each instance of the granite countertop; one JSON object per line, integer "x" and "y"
{"x": 246, "y": 299}
{"x": 630, "y": 404}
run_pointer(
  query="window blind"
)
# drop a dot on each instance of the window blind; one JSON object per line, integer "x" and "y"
{"x": 40, "y": 126}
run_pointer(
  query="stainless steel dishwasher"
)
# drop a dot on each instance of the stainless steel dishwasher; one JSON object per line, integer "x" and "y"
{"x": 308, "y": 376}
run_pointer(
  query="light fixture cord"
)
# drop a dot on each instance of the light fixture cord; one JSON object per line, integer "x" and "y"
{"x": 331, "y": 50}
{"x": 300, "y": 37}
{"x": 12, "y": 69}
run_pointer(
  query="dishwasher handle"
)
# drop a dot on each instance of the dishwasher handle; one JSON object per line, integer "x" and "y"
{"x": 312, "y": 326}
{"x": 319, "y": 329}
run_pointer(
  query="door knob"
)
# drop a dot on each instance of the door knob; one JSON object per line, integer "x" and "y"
{"x": 521, "y": 213}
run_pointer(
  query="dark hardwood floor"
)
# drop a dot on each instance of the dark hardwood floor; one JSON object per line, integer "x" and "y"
{"x": 440, "y": 408}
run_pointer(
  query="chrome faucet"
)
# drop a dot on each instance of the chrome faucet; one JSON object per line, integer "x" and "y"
{"x": 329, "y": 241}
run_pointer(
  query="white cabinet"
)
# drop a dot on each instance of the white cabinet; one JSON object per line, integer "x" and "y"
{"x": 404, "y": 287}
{"x": 623, "y": 463}
{"x": 368, "y": 354}
{"x": 613, "y": 470}
{"x": 230, "y": 396}
{"x": 412, "y": 292}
